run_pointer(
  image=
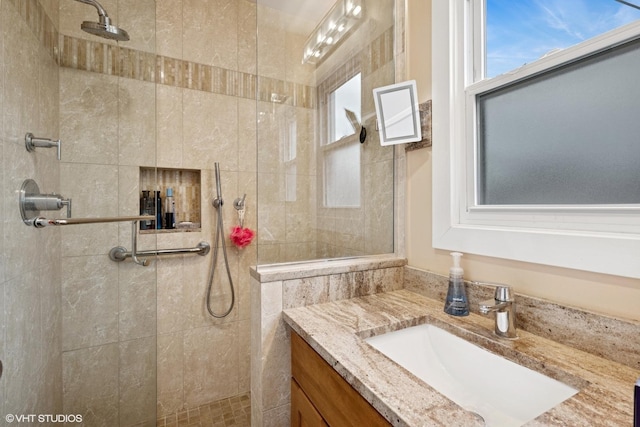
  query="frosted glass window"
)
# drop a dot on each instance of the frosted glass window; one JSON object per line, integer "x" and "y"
{"x": 342, "y": 176}
{"x": 569, "y": 136}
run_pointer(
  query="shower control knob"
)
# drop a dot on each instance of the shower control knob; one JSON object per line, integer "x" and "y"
{"x": 31, "y": 202}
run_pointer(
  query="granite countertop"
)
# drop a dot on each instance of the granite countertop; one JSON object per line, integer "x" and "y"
{"x": 336, "y": 331}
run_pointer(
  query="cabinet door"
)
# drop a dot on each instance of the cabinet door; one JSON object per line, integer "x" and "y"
{"x": 303, "y": 413}
{"x": 333, "y": 397}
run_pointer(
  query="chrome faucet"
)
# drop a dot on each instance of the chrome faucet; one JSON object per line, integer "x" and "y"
{"x": 504, "y": 306}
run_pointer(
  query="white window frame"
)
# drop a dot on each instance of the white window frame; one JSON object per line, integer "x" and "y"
{"x": 603, "y": 239}
{"x": 327, "y": 144}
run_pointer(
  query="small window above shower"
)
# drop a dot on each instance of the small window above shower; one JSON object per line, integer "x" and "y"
{"x": 179, "y": 191}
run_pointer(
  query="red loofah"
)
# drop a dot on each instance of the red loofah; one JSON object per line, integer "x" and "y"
{"x": 240, "y": 236}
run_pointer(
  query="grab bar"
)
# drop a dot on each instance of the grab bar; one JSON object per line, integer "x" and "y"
{"x": 120, "y": 253}
{"x": 40, "y": 222}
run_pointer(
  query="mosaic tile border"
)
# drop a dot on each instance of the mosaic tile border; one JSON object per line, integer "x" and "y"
{"x": 374, "y": 56}
{"x": 97, "y": 57}
{"x": 378, "y": 53}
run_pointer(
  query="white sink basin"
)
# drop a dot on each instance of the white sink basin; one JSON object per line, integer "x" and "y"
{"x": 502, "y": 392}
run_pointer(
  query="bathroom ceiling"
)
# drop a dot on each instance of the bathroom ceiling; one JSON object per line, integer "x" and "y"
{"x": 310, "y": 12}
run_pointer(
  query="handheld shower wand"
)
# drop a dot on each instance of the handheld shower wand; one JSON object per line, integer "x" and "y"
{"x": 217, "y": 203}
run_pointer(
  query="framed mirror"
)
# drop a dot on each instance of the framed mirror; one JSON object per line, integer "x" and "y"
{"x": 397, "y": 113}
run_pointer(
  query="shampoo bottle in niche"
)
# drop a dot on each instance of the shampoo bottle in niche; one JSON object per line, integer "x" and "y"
{"x": 169, "y": 210}
{"x": 456, "y": 303}
{"x": 158, "y": 210}
{"x": 146, "y": 209}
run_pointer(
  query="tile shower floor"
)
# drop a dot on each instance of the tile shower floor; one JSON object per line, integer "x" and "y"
{"x": 234, "y": 411}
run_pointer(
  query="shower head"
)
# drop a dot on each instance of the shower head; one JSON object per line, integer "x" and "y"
{"x": 103, "y": 28}
{"x": 106, "y": 30}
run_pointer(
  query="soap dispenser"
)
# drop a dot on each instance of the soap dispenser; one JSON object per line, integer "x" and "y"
{"x": 456, "y": 303}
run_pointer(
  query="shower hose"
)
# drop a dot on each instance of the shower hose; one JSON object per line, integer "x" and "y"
{"x": 217, "y": 203}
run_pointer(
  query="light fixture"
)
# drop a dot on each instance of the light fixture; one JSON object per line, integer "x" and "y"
{"x": 343, "y": 16}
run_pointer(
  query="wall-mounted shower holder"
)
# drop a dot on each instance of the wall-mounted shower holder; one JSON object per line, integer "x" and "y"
{"x": 31, "y": 143}
{"x": 239, "y": 202}
{"x": 239, "y": 205}
{"x": 32, "y": 202}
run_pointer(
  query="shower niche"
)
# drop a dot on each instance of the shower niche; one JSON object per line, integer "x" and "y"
{"x": 184, "y": 187}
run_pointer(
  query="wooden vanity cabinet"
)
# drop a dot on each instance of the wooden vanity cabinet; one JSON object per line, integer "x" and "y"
{"x": 321, "y": 397}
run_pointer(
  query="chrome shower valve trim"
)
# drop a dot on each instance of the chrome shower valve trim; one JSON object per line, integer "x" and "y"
{"x": 32, "y": 202}
{"x": 31, "y": 143}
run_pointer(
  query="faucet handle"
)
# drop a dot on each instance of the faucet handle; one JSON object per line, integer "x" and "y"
{"x": 503, "y": 293}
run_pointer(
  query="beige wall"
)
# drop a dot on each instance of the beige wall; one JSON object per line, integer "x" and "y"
{"x": 616, "y": 296}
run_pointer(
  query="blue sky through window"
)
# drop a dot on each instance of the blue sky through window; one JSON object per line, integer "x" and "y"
{"x": 519, "y": 32}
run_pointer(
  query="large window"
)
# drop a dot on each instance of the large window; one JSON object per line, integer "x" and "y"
{"x": 540, "y": 104}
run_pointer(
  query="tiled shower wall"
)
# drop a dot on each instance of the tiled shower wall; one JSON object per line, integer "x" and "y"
{"x": 30, "y": 268}
{"x": 107, "y": 125}
{"x": 179, "y": 95}
{"x": 182, "y": 96}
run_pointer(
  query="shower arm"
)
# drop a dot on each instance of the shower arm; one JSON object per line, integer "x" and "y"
{"x": 98, "y": 6}
{"x": 102, "y": 14}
